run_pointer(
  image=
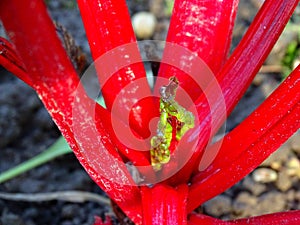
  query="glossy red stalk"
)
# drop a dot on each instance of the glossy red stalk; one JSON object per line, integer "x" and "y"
{"x": 12, "y": 62}
{"x": 204, "y": 28}
{"x": 237, "y": 73}
{"x": 282, "y": 218}
{"x": 196, "y": 219}
{"x": 55, "y": 80}
{"x": 108, "y": 26}
{"x": 164, "y": 205}
{"x": 249, "y": 144}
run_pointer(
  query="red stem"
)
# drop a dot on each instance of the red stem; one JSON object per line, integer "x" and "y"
{"x": 100, "y": 19}
{"x": 164, "y": 205}
{"x": 196, "y": 219}
{"x": 56, "y": 81}
{"x": 282, "y": 218}
{"x": 11, "y": 61}
{"x": 237, "y": 74}
{"x": 108, "y": 26}
{"x": 203, "y": 27}
{"x": 249, "y": 144}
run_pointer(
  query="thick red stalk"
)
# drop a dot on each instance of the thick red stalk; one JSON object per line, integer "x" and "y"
{"x": 10, "y": 61}
{"x": 164, "y": 205}
{"x": 56, "y": 81}
{"x": 282, "y": 218}
{"x": 249, "y": 144}
{"x": 108, "y": 26}
{"x": 258, "y": 124}
{"x": 196, "y": 219}
{"x": 137, "y": 158}
{"x": 103, "y": 122}
{"x": 203, "y": 27}
{"x": 237, "y": 73}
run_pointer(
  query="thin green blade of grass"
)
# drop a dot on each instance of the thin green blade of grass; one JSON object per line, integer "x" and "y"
{"x": 58, "y": 148}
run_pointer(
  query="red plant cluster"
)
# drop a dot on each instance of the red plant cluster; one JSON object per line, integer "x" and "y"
{"x": 36, "y": 55}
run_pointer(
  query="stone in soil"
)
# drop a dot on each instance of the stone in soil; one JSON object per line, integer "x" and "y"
{"x": 270, "y": 202}
{"x": 218, "y": 206}
{"x": 254, "y": 187}
{"x": 293, "y": 167}
{"x": 283, "y": 182}
{"x": 144, "y": 24}
{"x": 264, "y": 175}
{"x": 244, "y": 204}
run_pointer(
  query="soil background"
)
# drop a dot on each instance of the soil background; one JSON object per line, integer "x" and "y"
{"x": 26, "y": 129}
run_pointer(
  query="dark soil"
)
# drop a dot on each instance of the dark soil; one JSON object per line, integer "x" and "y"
{"x": 26, "y": 129}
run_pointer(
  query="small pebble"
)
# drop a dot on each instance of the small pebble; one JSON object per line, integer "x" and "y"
{"x": 264, "y": 175}
{"x": 283, "y": 182}
{"x": 293, "y": 167}
{"x": 144, "y": 24}
{"x": 256, "y": 188}
{"x": 276, "y": 165}
{"x": 218, "y": 206}
{"x": 270, "y": 202}
{"x": 244, "y": 204}
{"x": 290, "y": 195}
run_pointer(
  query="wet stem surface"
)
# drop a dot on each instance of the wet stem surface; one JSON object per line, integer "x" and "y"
{"x": 26, "y": 130}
